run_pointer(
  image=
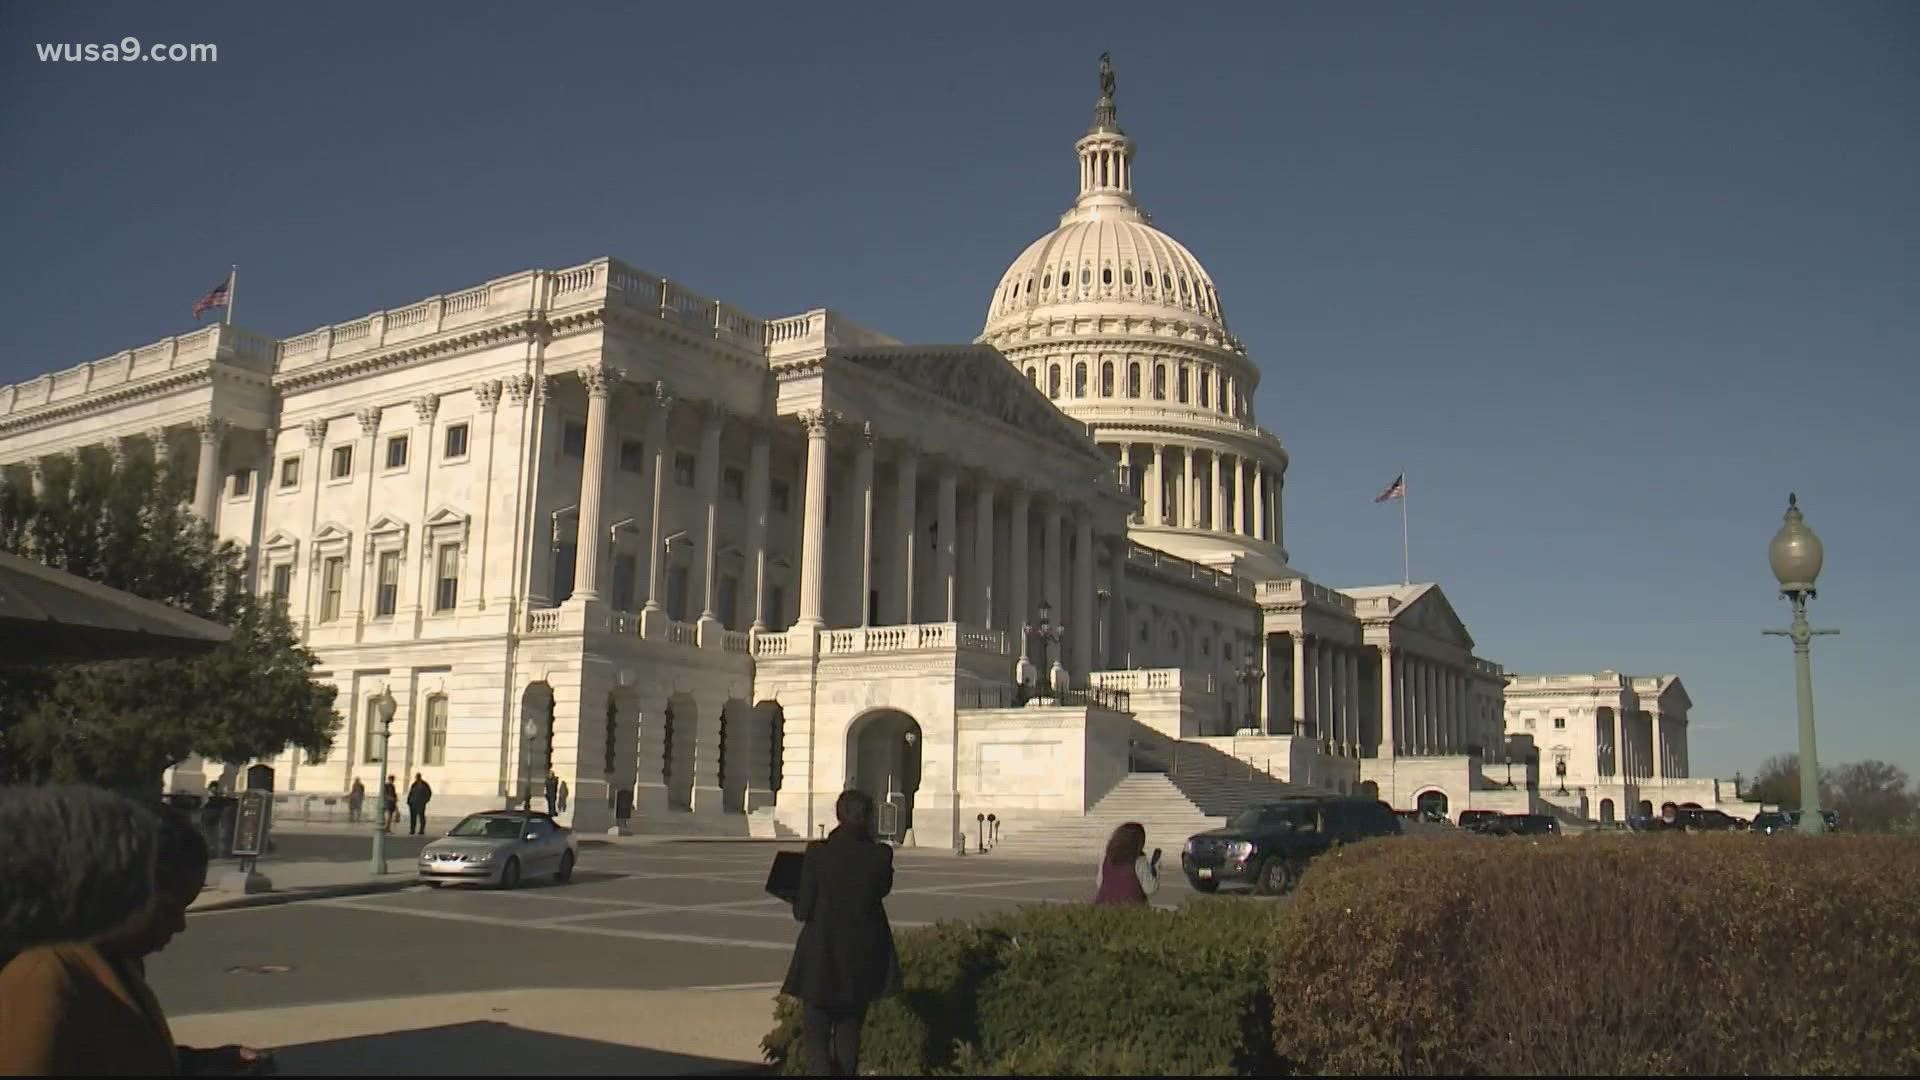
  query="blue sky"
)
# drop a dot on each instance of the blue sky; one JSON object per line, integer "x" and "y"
{"x": 1608, "y": 280}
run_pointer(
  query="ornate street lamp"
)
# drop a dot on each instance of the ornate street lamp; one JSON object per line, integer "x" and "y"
{"x": 529, "y": 730}
{"x": 1796, "y": 555}
{"x": 383, "y": 708}
{"x": 1048, "y": 634}
{"x": 1560, "y": 774}
{"x": 1249, "y": 676}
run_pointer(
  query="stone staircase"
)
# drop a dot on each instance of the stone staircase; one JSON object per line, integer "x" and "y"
{"x": 1201, "y": 790}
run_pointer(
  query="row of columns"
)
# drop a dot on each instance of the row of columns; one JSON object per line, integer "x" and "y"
{"x": 207, "y": 480}
{"x": 1641, "y": 757}
{"x": 1425, "y": 707}
{"x": 1432, "y": 704}
{"x": 1326, "y": 693}
{"x": 1245, "y": 495}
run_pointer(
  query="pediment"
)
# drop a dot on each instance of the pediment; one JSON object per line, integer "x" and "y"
{"x": 980, "y": 380}
{"x": 446, "y": 516}
{"x": 1432, "y": 615}
{"x": 332, "y": 533}
{"x": 280, "y": 541}
{"x": 387, "y": 525}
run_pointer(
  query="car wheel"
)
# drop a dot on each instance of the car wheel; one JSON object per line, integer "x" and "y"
{"x": 1208, "y": 886}
{"x": 510, "y": 874}
{"x": 566, "y": 869}
{"x": 1276, "y": 877}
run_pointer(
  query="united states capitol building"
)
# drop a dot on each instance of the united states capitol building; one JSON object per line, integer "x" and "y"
{"x": 711, "y": 569}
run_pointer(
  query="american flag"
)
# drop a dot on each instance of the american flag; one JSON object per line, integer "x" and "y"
{"x": 214, "y": 299}
{"x": 1395, "y": 490}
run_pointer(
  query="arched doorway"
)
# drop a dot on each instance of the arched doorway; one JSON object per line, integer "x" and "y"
{"x": 768, "y": 758}
{"x": 1606, "y": 811}
{"x": 883, "y": 759}
{"x": 680, "y": 723}
{"x": 737, "y": 724}
{"x": 535, "y": 738}
{"x": 1432, "y": 805}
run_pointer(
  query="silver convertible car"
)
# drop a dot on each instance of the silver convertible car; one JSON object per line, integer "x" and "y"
{"x": 501, "y": 847}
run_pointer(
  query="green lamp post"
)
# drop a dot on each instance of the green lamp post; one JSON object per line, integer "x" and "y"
{"x": 382, "y": 714}
{"x": 1796, "y": 556}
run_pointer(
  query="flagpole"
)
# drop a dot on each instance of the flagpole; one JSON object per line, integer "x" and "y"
{"x": 1406, "y": 557}
{"x": 232, "y": 275}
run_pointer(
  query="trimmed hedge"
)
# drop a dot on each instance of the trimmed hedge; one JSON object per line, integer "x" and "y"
{"x": 1668, "y": 954}
{"x": 1629, "y": 955}
{"x": 1071, "y": 990}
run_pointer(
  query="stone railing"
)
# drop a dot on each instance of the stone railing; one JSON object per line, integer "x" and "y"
{"x": 1606, "y": 680}
{"x": 817, "y": 330}
{"x": 917, "y": 637}
{"x": 1182, "y": 569}
{"x": 175, "y": 354}
{"x": 1302, "y": 591}
{"x": 1488, "y": 667}
{"x": 623, "y": 622}
{"x": 770, "y": 644}
{"x": 1137, "y": 680}
{"x": 736, "y": 641}
{"x": 682, "y": 633}
{"x": 543, "y": 621}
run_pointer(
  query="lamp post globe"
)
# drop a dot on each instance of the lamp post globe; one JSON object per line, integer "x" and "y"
{"x": 383, "y": 709}
{"x": 1795, "y": 556}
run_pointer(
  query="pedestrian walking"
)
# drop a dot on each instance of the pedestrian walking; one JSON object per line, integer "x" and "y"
{"x": 553, "y": 792}
{"x": 561, "y": 798}
{"x": 1128, "y": 875}
{"x": 389, "y": 806}
{"x": 356, "y": 800}
{"x": 418, "y": 795}
{"x": 845, "y": 959}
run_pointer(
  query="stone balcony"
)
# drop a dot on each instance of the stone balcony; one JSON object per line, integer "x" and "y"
{"x": 867, "y": 640}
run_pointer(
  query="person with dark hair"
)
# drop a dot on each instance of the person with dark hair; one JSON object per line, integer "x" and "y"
{"x": 1127, "y": 875}
{"x": 419, "y": 793}
{"x": 389, "y": 805}
{"x": 76, "y": 1002}
{"x": 845, "y": 958}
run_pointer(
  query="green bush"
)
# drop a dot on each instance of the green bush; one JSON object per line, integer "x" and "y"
{"x": 1071, "y": 990}
{"x": 1604, "y": 955}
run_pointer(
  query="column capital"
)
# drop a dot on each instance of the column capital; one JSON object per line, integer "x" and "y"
{"x": 662, "y": 395}
{"x": 37, "y": 470}
{"x": 211, "y": 428}
{"x": 598, "y": 378}
{"x": 520, "y": 388}
{"x": 545, "y": 389}
{"x": 819, "y": 421}
{"x": 157, "y": 438}
{"x": 426, "y": 407}
{"x": 117, "y": 450}
{"x": 369, "y": 418}
{"x": 487, "y": 393}
{"x": 316, "y": 432}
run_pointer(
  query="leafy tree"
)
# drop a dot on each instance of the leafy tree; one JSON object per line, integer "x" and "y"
{"x": 123, "y": 723}
{"x": 1872, "y": 796}
{"x": 1777, "y": 782}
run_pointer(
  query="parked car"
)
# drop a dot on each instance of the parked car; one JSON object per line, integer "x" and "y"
{"x": 501, "y": 847}
{"x": 1698, "y": 820}
{"x": 1769, "y": 822}
{"x": 1517, "y": 825}
{"x": 1268, "y": 847}
{"x": 1473, "y": 819}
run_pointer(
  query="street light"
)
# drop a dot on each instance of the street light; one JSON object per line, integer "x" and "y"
{"x": 1560, "y": 774}
{"x": 1249, "y": 677}
{"x": 1048, "y": 634}
{"x": 383, "y": 707}
{"x": 530, "y": 730}
{"x": 1796, "y": 555}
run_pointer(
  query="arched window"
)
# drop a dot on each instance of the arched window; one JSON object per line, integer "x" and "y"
{"x": 1046, "y": 282}
{"x": 1033, "y": 376}
{"x": 1106, "y": 275}
{"x": 1126, "y": 275}
{"x": 1225, "y": 400}
{"x": 1606, "y": 811}
{"x": 1133, "y": 379}
{"x": 434, "y": 749}
{"x": 1183, "y": 384}
{"x": 1159, "y": 382}
{"x": 1206, "y": 386}
{"x": 1080, "y": 379}
{"x": 1053, "y": 381}
{"x": 1106, "y": 378}
{"x": 1148, "y": 278}
{"x": 1066, "y": 278}
{"x": 1016, "y": 290}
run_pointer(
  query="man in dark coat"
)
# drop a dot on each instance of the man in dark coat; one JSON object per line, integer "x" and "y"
{"x": 418, "y": 795}
{"x": 844, "y": 959}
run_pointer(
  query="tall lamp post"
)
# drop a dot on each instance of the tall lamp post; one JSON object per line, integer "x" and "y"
{"x": 1048, "y": 634}
{"x": 1796, "y": 555}
{"x": 383, "y": 707}
{"x": 1249, "y": 677}
{"x": 530, "y": 731}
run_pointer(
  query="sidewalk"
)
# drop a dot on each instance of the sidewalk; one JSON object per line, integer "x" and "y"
{"x": 302, "y": 879}
{"x": 712, "y": 1031}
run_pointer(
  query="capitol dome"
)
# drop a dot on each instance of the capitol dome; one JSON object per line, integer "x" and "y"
{"x": 1106, "y": 257}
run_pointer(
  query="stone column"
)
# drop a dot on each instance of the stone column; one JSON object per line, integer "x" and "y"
{"x": 1300, "y": 681}
{"x": 1083, "y": 613}
{"x": 1051, "y": 569}
{"x": 363, "y": 466}
{"x": 1239, "y": 495}
{"x": 1389, "y": 678}
{"x": 658, "y": 462}
{"x": 1436, "y": 718}
{"x": 983, "y": 548}
{"x": 1119, "y": 626}
{"x": 1659, "y": 751}
{"x": 1356, "y": 727}
{"x": 1218, "y": 504}
{"x": 598, "y": 379}
{"x": 863, "y": 508}
{"x": 759, "y": 483}
{"x": 709, "y": 800}
{"x": 906, "y": 489}
{"x": 947, "y": 528}
{"x": 206, "y": 484}
{"x": 1330, "y": 678}
{"x": 813, "y": 556}
{"x": 1260, "y": 502}
{"x": 707, "y": 482}
{"x": 1157, "y": 487}
{"x": 1019, "y": 568}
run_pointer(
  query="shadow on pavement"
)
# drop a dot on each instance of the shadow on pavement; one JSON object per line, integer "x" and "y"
{"x": 486, "y": 1048}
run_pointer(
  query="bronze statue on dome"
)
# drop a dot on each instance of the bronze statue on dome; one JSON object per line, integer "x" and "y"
{"x": 1106, "y": 76}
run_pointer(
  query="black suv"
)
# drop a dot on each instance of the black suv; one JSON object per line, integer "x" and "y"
{"x": 1268, "y": 846}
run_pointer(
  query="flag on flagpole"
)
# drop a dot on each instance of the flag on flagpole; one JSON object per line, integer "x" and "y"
{"x": 215, "y": 299}
{"x": 1395, "y": 490}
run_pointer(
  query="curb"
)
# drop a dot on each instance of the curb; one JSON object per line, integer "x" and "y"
{"x": 316, "y": 892}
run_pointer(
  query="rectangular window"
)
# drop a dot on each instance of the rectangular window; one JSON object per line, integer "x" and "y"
{"x": 573, "y": 439}
{"x": 342, "y": 461}
{"x": 677, "y": 593}
{"x": 726, "y": 596}
{"x": 333, "y": 575}
{"x": 282, "y": 581}
{"x": 683, "y": 469}
{"x": 734, "y": 483}
{"x": 397, "y": 452}
{"x": 563, "y": 556}
{"x": 633, "y": 455}
{"x": 446, "y": 592}
{"x": 289, "y": 473}
{"x": 624, "y": 567}
{"x": 242, "y": 483}
{"x": 781, "y": 496}
{"x": 435, "y": 751}
{"x": 387, "y": 592}
{"x": 456, "y": 444}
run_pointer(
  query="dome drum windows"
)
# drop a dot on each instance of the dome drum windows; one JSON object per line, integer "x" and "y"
{"x": 1106, "y": 379}
{"x": 1080, "y": 379}
{"x": 1160, "y": 382}
{"x": 1185, "y": 377}
{"x": 1133, "y": 379}
{"x": 1053, "y": 381}
{"x": 1126, "y": 276}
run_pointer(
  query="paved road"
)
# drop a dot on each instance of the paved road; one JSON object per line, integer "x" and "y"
{"x": 655, "y": 916}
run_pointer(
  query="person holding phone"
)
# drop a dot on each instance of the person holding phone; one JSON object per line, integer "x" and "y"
{"x": 1128, "y": 875}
